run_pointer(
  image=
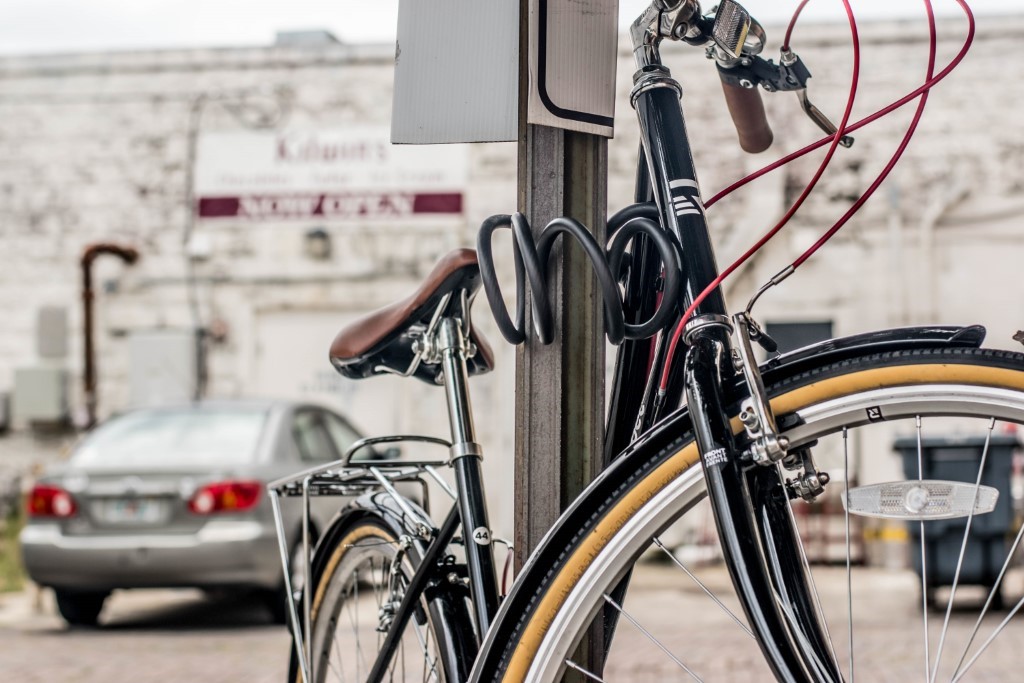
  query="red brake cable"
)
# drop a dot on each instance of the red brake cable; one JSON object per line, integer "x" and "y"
{"x": 927, "y": 85}
{"x": 792, "y": 24}
{"x": 921, "y": 91}
{"x": 911, "y": 129}
{"x": 840, "y": 132}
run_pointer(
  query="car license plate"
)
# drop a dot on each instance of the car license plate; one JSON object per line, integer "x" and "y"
{"x": 133, "y": 511}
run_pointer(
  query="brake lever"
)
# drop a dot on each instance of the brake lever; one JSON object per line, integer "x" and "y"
{"x": 790, "y": 61}
{"x": 820, "y": 119}
{"x": 790, "y": 74}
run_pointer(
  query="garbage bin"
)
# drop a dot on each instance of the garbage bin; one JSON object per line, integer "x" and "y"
{"x": 957, "y": 459}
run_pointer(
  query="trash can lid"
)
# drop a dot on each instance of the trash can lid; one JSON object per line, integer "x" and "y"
{"x": 974, "y": 442}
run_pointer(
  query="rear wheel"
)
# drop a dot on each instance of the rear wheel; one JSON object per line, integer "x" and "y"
{"x": 680, "y": 617}
{"x": 364, "y": 580}
{"x": 80, "y": 608}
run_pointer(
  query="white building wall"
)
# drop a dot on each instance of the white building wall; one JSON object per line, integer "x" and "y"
{"x": 95, "y": 148}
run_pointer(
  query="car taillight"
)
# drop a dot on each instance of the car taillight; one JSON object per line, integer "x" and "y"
{"x": 226, "y": 496}
{"x": 50, "y": 501}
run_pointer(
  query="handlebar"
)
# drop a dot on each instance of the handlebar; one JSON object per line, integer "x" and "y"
{"x": 736, "y": 40}
{"x": 747, "y": 111}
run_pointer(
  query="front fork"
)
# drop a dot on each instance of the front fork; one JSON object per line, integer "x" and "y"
{"x": 755, "y": 526}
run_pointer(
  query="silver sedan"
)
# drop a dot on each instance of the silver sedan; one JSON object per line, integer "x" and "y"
{"x": 175, "y": 497}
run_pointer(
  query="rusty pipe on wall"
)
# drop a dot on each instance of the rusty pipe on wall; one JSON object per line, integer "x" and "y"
{"x": 127, "y": 254}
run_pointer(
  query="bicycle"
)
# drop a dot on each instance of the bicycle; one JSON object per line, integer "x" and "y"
{"x": 422, "y": 600}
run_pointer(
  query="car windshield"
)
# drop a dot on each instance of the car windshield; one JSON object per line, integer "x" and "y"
{"x": 175, "y": 438}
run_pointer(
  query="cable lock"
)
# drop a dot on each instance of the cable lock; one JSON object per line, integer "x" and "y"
{"x": 531, "y": 258}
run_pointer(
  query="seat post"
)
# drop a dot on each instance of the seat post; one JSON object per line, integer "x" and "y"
{"x": 466, "y": 457}
{"x": 452, "y": 343}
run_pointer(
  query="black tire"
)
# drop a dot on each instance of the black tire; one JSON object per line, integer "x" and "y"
{"x": 569, "y": 579}
{"x": 80, "y": 608}
{"x": 354, "y": 584}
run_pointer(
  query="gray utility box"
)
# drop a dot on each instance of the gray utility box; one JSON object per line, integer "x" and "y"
{"x": 41, "y": 395}
{"x": 957, "y": 459}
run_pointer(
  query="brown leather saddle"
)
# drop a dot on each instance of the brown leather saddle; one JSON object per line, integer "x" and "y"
{"x": 383, "y": 340}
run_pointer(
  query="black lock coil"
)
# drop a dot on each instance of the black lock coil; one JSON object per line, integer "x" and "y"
{"x": 531, "y": 258}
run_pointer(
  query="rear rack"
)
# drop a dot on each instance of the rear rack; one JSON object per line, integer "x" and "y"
{"x": 345, "y": 478}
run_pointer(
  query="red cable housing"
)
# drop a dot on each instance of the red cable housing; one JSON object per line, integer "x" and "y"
{"x": 843, "y": 128}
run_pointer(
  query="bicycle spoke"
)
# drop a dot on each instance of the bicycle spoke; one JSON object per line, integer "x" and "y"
{"x": 785, "y": 604}
{"x": 963, "y": 549}
{"x": 354, "y": 620}
{"x": 592, "y": 676}
{"x": 425, "y": 648}
{"x": 924, "y": 559}
{"x": 337, "y": 650}
{"x": 810, "y": 579}
{"x": 988, "y": 602}
{"x": 849, "y": 570}
{"x": 332, "y": 667}
{"x": 707, "y": 591}
{"x": 366, "y": 585}
{"x": 992, "y": 637}
{"x": 647, "y": 634}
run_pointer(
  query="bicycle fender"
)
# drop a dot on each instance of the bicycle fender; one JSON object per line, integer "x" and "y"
{"x": 378, "y": 504}
{"x": 878, "y": 341}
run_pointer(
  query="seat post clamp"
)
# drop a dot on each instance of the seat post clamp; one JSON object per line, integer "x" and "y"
{"x": 461, "y": 450}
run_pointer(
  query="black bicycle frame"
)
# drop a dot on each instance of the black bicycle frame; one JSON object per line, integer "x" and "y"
{"x": 749, "y": 503}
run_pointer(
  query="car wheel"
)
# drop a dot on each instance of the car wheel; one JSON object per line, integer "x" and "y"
{"x": 276, "y": 600}
{"x": 276, "y": 603}
{"x": 80, "y": 608}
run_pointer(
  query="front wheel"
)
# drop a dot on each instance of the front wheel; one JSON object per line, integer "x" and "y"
{"x": 936, "y": 413}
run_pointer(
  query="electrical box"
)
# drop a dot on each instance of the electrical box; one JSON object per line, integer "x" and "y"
{"x": 163, "y": 367}
{"x": 52, "y": 332}
{"x": 41, "y": 394}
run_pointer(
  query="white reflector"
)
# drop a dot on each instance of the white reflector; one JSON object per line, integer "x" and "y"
{"x": 920, "y": 500}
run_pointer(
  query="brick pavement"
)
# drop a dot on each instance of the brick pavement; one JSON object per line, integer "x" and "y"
{"x": 165, "y": 636}
{"x": 887, "y": 625}
{"x": 171, "y": 636}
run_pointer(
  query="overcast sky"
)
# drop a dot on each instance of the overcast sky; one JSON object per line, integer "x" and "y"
{"x": 34, "y": 26}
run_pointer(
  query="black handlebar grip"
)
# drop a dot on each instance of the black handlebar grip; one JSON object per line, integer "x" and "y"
{"x": 747, "y": 111}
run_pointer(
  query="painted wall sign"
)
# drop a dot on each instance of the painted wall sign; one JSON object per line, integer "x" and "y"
{"x": 337, "y": 174}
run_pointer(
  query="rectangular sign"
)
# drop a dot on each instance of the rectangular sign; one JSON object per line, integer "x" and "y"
{"x": 573, "y": 46}
{"x": 456, "y": 72}
{"x": 338, "y": 174}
